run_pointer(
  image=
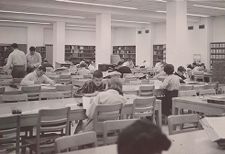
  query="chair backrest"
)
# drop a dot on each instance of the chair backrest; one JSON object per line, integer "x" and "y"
{"x": 144, "y": 107}
{"x": 33, "y": 92}
{"x": 187, "y": 93}
{"x": 105, "y": 112}
{"x": 76, "y": 142}
{"x": 64, "y": 78}
{"x": 146, "y": 90}
{"x": 87, "y": 76}
{"x": 12, "y": 98}
{"x": 186, "y": 122}
{"x": 52, "y": 120}
{"x": 2, "y": 90}
{"x": 65, "y": 89}
{"x": 207, "y": 92}
{"x": 112, "y": 128}
{"x": 52, "y": 95}
{"x": 185, "y": 87}
{"x": 11, "y": 134}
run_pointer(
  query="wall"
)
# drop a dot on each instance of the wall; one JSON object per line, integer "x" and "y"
{"x": 159, "y": 33}
{"x": 219, "y": 29}
{"x": 123, "y": 36}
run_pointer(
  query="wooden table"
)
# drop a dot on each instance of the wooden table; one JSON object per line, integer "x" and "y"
{"x": 197, "y": 104}
{"x": 196, "y": 142}
{"x": 30, "y": 109}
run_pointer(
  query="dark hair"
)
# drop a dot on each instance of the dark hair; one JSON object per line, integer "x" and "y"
{"x": 83, "y": 65}
{"x": 142, "y": 137}
{"x": 32, "y": 48}
{"x": 116, "y": 84}
{"x": 181, "y": 69}
{"x": 119, "y": 63}
{"x": 14, "y": 45}
{"x": 169, "y": 69}
{"x": 97, "y": 74}
{"x": 42, "y": 68}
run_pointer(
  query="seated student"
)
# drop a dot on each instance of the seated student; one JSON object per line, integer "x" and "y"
{"x": 113, "y": 95}
{"x": 180, "y": 72}
{"x": 91, "y": 87}
{"x": 83, "y": 69}
{"x": 171, "y": 86}
{"x": 91, "y": 66}
{"x": 36, "y": 77}
{"x": 142, "y": 137}
{"x": 122, "y": 69}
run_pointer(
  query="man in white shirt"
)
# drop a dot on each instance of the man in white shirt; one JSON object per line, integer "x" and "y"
{"x": 36, "y": 77}
{"x": 17, "y": 61}
{"x": 33, "y": 59}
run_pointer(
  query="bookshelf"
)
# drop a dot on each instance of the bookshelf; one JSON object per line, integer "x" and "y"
{"x": 5, "y": 50}
{"x": 76, "y": 53}
{"x": 42, "y": 51}
{"x": 159, "y": 53}
{"x": 125, "y": 52}
{"x": 217, "y": 53}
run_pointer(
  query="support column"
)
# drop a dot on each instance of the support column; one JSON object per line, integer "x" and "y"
{"x": 103, "y": 39}
{"x": 35, "y": 36}
{"x": 59, "y": 42}
{"x": 176, "y": 30}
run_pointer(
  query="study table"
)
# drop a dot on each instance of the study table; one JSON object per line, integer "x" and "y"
{"x": 197, "y": 104}
{"x": 196, "y": 142}
{"x": 30, "y": 110}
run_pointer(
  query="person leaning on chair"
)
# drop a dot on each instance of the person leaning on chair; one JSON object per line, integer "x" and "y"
{"x": 142, "y": 137}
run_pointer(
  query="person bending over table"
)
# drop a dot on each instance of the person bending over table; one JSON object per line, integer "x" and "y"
{"x": 92, "y": 87}
{"x": 36, "y": 77}
{"x": 180, "y": 72}
{"x": 142, "y": 137}
{"x": 171, "y": 86}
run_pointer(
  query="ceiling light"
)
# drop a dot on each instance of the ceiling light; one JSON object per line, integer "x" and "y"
{"x": 96, "y": 4}
{"x": 27, "y": 22}
{"x": 130, "y": 21}
{"x": 189, "y": 14}
{"x": 209, "y": 7}
{"x": 161, "y": 1}
{"x": 42, "y": 14}
{"x": 81, "y": 26}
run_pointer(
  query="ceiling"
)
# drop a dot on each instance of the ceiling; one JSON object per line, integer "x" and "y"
{"x": 144, "y": 13}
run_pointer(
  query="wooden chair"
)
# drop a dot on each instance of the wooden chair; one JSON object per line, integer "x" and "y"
{"x": 33, "y": 92}
{"x": 51, "y": 124}
{"x": 105, "y": 112}
{"x": 112, "y": 128}
{"x": 52, "y": 95}
{"x": 65, "y": 79}
{"x": 76, "y": 142}
{"x": 185, "y": 87}
{"x": 65, "y": 89}
{"x": 2, "y": 90}
{"x": 186, "y": 122}
{"x": 144, "y": 108}
{"x": 13, "y": 98}
{"x": 10, "y": 135}
{"x": 87, "y": 76}
{"x": 187, "y": 93}
{"x": 146, "y": 90}
{"x": 207, "y": 92}
{"x": 77, "y": 83}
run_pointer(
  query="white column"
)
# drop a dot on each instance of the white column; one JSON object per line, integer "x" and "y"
{"x": 35, "y": 36}
{"x": 103, "y": 39}
{"x": 144, "y": 45}
{"x": 59, "y": 42}
{"x": 176, "y": 30}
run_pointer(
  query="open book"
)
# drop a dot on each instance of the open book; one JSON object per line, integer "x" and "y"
{"x": 214, "y": 127}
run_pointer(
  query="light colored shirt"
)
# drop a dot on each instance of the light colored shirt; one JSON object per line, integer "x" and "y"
{"x": 32, "y": 78}
{"x": 33, "y": 60}
{"x": 83, "y": 71}
{"x": 171, "y": 82}
{"x": 91, "y": 68}
{"x": 16, "y": 57}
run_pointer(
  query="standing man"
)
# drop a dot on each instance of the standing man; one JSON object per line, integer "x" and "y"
{"x": 17, "y": 61}
{"x": 33, "y": 59}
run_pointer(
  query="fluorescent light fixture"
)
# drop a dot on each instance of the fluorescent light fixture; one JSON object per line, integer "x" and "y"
{"x": 97, "y": 4}
{"x": 189, "y": 14}
{"x": 42, "y": 14}
{"x": 209, "y": 7}
{"x": 161, "y": 1}
{"x": 81, "y": 26}
{"x": 27, "y": 22}
{"x": 131, "y": 21}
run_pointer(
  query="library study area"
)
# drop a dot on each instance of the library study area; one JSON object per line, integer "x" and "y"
{"x": 112, "y": 76}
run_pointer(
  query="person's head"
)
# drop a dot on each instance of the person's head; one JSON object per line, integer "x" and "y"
{"x": 181, "y": 70}
{"x": 142, "y": 137}
{"x": 97, "y": 77}
{"x": 14, "y": 46}
{"x": 83, "y": 65}
{"x": 32, "y": 50}
{"x": 116, "y": 84}
{"x": 40, "y": 70}
{"x": 168, "y": 69}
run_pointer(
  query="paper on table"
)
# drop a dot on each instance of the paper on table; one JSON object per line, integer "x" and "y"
{"x": 34, "y": 110}
{"x": 215, "y": 127}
